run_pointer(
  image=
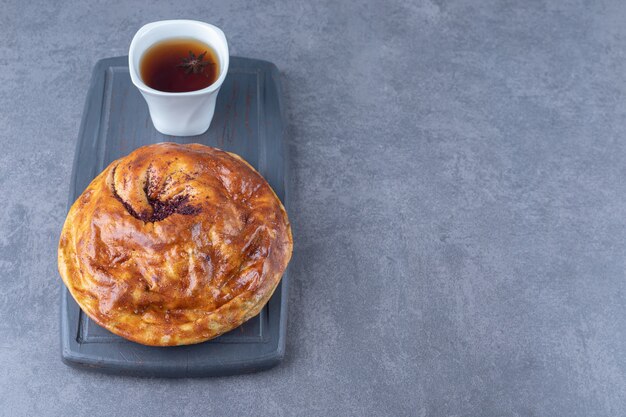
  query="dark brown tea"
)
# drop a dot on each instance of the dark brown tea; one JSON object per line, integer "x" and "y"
{"x": 179, "y": 65}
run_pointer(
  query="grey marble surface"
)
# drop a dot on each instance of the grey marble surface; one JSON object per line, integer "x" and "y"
{"x": 459, "y": 207}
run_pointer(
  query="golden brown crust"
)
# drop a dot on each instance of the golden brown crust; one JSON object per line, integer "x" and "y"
{"x": 175, "y": 244}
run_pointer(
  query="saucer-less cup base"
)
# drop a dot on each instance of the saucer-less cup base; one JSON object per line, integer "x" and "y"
{"x": 179, "y": 114}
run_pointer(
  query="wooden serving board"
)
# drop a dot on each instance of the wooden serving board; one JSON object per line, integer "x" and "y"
{"x": 248, "y": 121}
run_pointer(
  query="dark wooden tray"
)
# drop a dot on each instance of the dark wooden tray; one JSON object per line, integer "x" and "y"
{"x": 248, "y": 121}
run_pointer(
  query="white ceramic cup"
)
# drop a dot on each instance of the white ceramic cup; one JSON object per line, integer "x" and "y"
{"x": 179, "y": 114}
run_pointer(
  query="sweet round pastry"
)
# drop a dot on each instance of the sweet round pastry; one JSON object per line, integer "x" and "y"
{"x": 175, "y": 244}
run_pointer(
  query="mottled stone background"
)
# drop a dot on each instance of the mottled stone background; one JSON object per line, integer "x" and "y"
{"x": 459, "y": 206}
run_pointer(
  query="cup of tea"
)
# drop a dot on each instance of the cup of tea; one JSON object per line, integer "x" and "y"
{"x": 179, "y": 67}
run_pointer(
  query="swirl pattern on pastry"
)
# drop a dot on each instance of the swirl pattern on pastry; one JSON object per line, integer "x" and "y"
{"x": 175, "y": 244}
